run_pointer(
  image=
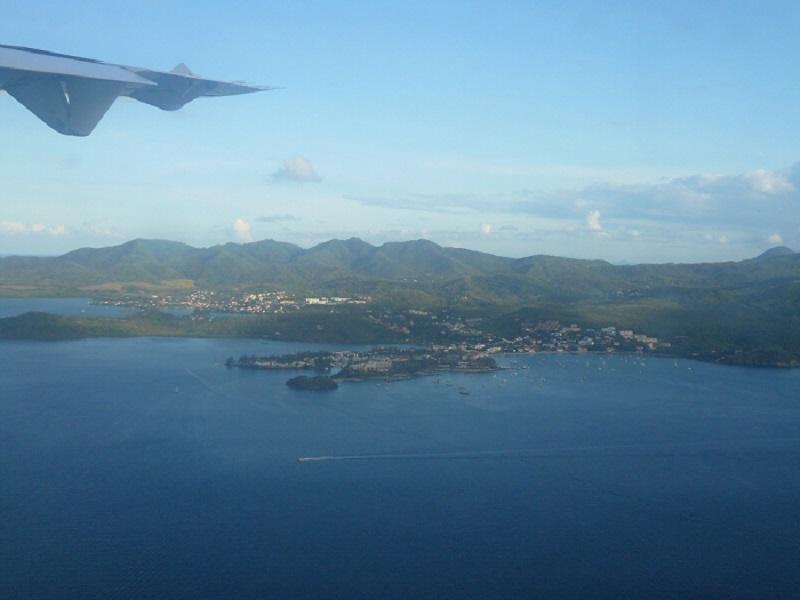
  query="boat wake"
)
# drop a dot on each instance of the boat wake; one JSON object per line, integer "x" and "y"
{"x": 665, "y": 450}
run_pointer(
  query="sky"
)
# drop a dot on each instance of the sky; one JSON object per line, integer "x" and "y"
{"x": 627, "y": 131}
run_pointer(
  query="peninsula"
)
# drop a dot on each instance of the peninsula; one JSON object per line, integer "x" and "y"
{"x": 390, "y": 364}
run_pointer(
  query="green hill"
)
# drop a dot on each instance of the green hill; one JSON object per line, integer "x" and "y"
{"x": 420, "y": 266}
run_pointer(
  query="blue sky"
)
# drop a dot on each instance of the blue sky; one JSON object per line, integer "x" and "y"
{"x": 635, "y": 131}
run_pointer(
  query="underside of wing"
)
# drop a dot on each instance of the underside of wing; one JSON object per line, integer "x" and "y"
{"x": 71, "y": 106}
{"x": 69, "y": 94}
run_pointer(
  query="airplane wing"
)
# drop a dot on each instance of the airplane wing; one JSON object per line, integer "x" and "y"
{"x": 180, "y": 86}
{"x": 71, "y": 94}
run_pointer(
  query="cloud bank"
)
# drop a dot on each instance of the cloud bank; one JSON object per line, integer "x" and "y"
{"x": 763, "y": 204}
{"x": 17, "y": 228}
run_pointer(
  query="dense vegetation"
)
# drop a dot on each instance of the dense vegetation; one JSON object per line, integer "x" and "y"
{"x": 418, "y": 272}
{"x": 310, "y": 326}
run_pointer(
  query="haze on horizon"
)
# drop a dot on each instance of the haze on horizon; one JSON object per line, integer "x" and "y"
{"x": 628, "y": 132}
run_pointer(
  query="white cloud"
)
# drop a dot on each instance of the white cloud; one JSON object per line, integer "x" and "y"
{"x": 298, "y": 169}
{"x": 770, "y": 182}
{"x": 486, "y": 228}
{"x": 775, "y": 239}
{"x": 16, "y": 228}
{"x": 593, "y": 221}
{"x": 243, "y": 230}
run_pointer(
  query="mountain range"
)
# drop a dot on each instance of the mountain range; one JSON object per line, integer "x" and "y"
{"x": 419, "y": 268}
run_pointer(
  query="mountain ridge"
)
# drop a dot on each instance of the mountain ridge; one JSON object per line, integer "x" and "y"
{"x": 355, "y": 266}
{"x": 290, "y": 249}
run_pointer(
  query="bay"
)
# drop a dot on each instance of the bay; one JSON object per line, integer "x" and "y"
{"x": 143, "y": 468}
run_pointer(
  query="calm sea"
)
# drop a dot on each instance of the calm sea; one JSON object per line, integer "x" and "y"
{"x": 143, "y": 468}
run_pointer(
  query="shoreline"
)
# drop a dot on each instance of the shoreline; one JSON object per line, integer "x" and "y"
{"x": 54, "y": 327}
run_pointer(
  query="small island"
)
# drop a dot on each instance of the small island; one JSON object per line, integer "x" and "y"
{"x": 318, "y": 383}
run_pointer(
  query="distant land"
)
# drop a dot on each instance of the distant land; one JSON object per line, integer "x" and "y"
{"x": 747, "y": 312}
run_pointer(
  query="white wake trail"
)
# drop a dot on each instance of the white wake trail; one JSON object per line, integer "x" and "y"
{"x": 663, "y": 450}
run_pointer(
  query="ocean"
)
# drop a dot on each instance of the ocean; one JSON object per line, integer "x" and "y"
{"x": 143, "y": 468}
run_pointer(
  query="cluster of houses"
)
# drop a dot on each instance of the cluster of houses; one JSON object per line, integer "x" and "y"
{"x": 551, "y": 336}
{"x": 268, "y": 302}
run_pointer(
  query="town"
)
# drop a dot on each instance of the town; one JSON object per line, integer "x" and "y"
{"x": 445, "y": 327}
{"x": 551, "y": 336}
{"x": 548, "y": 335}
{"x": 205, "y": 301}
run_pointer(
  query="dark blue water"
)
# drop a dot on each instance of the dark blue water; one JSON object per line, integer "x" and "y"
{"x": 72, "y": 307}
{"x": 144, "y": 469}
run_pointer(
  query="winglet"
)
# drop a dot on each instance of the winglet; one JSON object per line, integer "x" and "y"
{"x": 182, "y": 69}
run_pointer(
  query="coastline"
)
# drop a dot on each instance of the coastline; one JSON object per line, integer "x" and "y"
{"x": 49, "y": 327}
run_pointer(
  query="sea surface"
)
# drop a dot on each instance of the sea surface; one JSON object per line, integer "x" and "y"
{"x": 143, "y": 468}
